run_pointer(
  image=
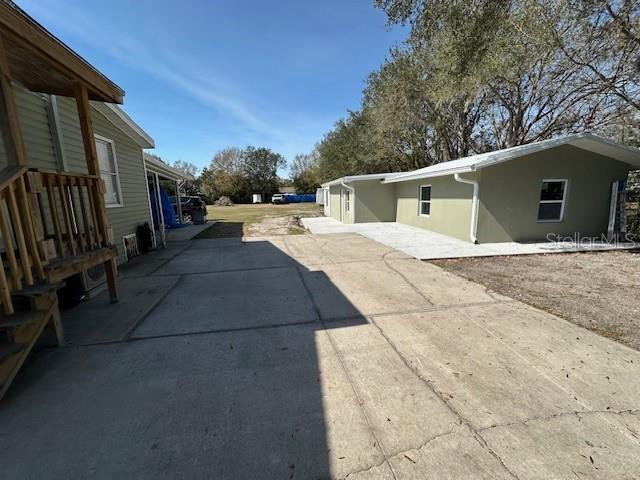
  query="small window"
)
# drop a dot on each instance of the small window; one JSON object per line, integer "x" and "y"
{"x": 425, "y": 200}
{"x": 347, "y": 201}
{"x": 552, "y": 197}
{"x": 109, "y": 171}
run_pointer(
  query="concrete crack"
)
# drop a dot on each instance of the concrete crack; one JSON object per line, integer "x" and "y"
{"x": 405, "y": 278}
{"x": 446, "y": 402}
{"x": 577, "y": 413}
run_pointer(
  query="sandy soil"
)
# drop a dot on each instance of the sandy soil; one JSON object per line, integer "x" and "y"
{"x": 599, "y": 291}
{"x": 287, "y": 225}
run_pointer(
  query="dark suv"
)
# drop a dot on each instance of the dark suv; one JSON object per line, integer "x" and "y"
{"x": 193, "y": 208}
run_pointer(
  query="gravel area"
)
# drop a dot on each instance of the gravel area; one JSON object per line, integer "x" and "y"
{"x": 598, "y": 290}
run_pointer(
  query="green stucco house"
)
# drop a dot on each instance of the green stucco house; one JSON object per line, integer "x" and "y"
{"x": 564, "y": 186}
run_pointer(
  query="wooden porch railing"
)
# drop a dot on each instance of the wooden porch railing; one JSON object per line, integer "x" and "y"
{"x": 51, "y": 228}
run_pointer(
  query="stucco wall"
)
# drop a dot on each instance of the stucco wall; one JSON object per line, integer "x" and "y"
{"x": 374, "y": 201}
{"x": 450, "y": 205}
{"x": 336, "y": 205}
{"x": 510, "y": 192}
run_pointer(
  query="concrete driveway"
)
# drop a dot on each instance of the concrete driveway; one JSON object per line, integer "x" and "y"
{"x": 315, "y": 357}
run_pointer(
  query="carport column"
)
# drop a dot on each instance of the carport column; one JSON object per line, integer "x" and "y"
{"x": 163, "y": 235}
{"x": 179, "y": 201}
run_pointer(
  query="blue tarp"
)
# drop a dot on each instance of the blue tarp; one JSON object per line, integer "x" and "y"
{"x": 167, "y": 209}
{"x": 308, "y": 197}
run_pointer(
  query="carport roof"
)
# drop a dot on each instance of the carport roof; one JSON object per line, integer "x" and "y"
{"x": 586, "y": 141}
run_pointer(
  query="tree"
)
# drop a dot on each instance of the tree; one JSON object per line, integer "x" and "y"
{"x": 479, "y": 75}
{"x": 305, "y": 172}
{"x": 224, "y": 176}
{"x": 189, "y": 187}
{"x": 260, "y": 170}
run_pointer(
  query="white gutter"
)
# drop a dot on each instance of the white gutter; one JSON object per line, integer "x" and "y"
{"x": 473, "y": 227}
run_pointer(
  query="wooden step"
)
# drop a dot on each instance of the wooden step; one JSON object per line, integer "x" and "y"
{"x": 38, "y": 289}
{"x": 20, "y": 319}
{"x": 8, "y": 350}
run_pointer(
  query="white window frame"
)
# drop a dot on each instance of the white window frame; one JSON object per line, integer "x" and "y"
{"x": 347, "y": 200}
{"x": 117, "y": 172}
{"x": 420, "y": 201}
{"x": 562, "y": 202}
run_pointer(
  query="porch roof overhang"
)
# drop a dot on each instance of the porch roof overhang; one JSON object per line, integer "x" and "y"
{"x": 153, "y": 165}
{"x": 42, "y": 63}
{"x": 125, "y": 123}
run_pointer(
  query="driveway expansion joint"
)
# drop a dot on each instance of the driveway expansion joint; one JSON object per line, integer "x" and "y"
{"x": 359, "y": 400}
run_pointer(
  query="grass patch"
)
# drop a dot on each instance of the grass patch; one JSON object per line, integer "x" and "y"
{"x": 245, "y": 220}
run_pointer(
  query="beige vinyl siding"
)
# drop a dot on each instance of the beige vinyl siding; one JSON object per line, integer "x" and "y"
{"x": 135, "y": 210}
{"x": 34, "y": 123}
{"x": 450, "y": 205}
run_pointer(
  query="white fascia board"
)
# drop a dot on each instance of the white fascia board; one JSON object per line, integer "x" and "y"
{"x": 118, "y": 117}
{"x": 418, "y": 176}
{"x": 358, "y": 178}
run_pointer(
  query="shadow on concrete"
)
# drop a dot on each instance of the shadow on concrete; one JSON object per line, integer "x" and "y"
{"x": 229, "y": 376}
{"x": 223, "y": 229}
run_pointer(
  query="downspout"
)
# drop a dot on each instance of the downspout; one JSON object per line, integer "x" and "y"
{"x": 473, "y": 227}
{"x": 352, "y": 203}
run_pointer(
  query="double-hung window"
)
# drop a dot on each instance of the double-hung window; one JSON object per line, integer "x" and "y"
{"x": 552, "y": 198}
{"x": 425, "y": 200}
{"x": 109, "y": 171}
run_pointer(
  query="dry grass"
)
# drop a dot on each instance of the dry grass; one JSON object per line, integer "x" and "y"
{"x": 258, "y": 220}
{"x": 597, "y": 290}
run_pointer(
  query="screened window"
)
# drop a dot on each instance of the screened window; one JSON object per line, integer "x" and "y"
{"x": 425, "y": 200}
{"x": 109, "y": 171}
{"x": 347, "y": 201}
{"x": 552, "y": 197}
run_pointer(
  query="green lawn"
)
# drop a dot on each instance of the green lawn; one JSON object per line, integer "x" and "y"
{"x": 258, "y": 219}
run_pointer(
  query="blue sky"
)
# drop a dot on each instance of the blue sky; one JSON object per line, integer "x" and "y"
{"x": 203, "y": 75}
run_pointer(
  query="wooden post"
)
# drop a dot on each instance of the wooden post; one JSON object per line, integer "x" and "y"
{"x": 88, "y": 139}
{"x": 9, "y": 123}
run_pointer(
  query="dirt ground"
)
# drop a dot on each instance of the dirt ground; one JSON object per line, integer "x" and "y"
{"x": 599, "y": 290}
{"x": 258, "y": 220}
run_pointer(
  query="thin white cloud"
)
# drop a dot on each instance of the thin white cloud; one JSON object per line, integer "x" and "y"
{"x": 158, "y": 62}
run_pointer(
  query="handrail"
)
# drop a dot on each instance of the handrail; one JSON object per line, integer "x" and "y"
{"x": 45, "y": 215}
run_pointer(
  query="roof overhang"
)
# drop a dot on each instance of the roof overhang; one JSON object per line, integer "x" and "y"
{"x": 125, "y": 123}
{"x": 585, "y": 141}
{"x": 42, "y": 63}
{"x": 153, "y": 165}
{"x": 358, "y": 178}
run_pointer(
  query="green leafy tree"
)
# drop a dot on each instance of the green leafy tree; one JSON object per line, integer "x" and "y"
{"x": 225, "y": 176}
{"x": 260, "y": 170}
{"x": 305, "y": 172}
